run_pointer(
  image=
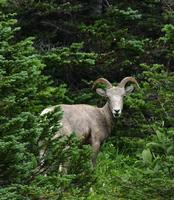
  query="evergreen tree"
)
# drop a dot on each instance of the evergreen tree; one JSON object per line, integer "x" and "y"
{"x": 21, "y": 86}
{"x": 20, "y": 83}
{"x": 79, "y": 41}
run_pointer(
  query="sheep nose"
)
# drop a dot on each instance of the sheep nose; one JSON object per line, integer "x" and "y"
{"x": 116, "y": 113}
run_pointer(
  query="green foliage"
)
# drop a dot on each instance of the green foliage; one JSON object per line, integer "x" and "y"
{"x": 77, "y": 42}
{"x": 70, "y": 64}
{"x": 22, "y": 171}
{"x": 20, "y": 80}
{"x": 121, "y": 177}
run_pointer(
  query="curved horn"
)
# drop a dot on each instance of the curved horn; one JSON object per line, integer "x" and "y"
{"x": 102, "y": 80}
{"x": 126, "y": 80}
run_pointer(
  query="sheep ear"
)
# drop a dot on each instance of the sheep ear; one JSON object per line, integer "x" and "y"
{"x": 129, "y": 89}
{"x": 101, "y": 92}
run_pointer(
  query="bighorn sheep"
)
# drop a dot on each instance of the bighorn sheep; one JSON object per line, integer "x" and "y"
{"x": 93, "y": 124}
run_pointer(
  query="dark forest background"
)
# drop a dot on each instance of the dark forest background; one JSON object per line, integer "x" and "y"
{"x": 50, "y": 53}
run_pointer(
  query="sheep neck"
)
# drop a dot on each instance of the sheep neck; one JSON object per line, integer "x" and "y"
{"x": 108, "y": 116}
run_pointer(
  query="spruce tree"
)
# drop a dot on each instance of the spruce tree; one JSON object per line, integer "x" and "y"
{"x": 22, "y": 176}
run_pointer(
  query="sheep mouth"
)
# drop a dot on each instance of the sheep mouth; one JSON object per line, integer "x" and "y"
{"x": 116, "y": 115}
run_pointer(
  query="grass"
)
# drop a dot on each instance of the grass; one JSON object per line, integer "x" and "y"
{"x": 122, "y": 175}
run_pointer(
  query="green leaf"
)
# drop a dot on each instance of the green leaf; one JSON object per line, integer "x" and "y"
{"x": 161, "y": 137}
{"x": 147, "y": 156}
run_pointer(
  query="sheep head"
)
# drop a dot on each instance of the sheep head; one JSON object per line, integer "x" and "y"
{"x": 114, "y": 94}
